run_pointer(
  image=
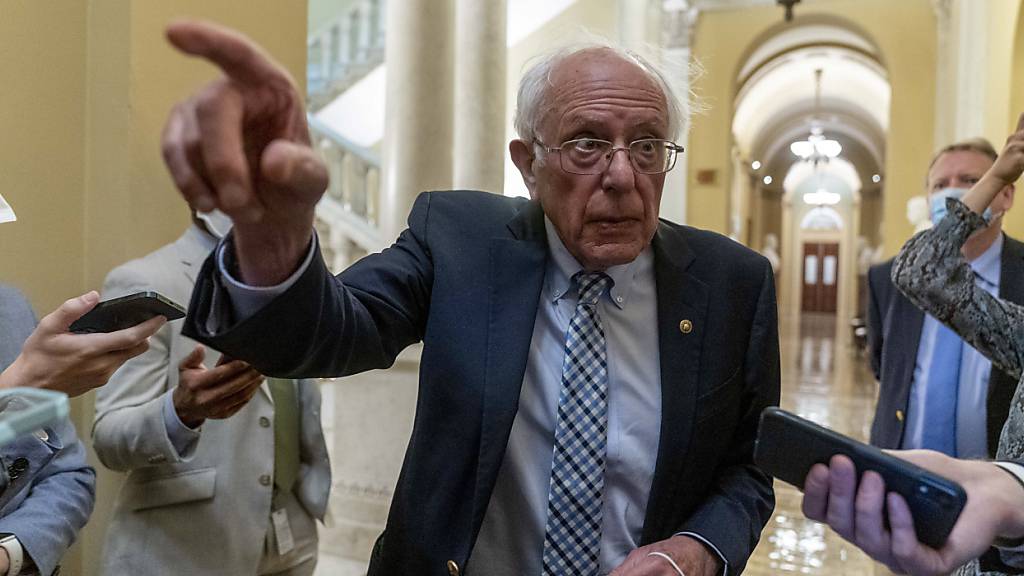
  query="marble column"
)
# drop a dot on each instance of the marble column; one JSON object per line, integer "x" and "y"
{"x": 639, "y": 23}
{"x": 971, "y": 21}
{"x": 480, "y": 57}
{"x": 417, "y": 146}
{"x": 945, "y": 73}
{"x": 962, "y": 37}
{"x": 677, "y": 28}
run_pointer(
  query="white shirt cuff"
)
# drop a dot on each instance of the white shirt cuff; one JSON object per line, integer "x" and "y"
{"x": 247, "y": 300}
{"x": 706, "y": 542}
{"x": 179, "y": 434}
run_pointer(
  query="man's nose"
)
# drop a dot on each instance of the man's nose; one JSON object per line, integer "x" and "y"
{"x": 619, "y": 175}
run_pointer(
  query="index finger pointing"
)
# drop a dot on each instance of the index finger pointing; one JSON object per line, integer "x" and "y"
{"x": 1020, "y": 122}
{"x": 234, "y": 53}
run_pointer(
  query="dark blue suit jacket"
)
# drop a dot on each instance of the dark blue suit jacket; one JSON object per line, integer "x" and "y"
{"x": 465, "y": 278}
{"x": 894, "y": 332}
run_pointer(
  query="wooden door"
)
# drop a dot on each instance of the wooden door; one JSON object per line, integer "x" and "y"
{"x": 820, "y": 277}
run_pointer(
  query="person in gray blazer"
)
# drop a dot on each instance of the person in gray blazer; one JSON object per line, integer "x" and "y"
{"x": 46, "y": 488}
{"x": 227, "y": 472}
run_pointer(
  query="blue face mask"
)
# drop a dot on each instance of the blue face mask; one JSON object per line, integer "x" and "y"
{"x": 937, "y": 204}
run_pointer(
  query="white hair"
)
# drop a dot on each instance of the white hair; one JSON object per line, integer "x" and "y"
{"x": 532, "y": 104}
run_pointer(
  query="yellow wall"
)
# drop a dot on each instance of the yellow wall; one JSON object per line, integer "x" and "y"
{"x": 1005, "y": 87}
{"x": 89, "y": 87}
{"x": 42, "y": 58}
{"x": 905, "y": 34}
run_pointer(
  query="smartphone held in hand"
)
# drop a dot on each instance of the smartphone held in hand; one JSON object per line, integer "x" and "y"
{"x": 788, "y": 446}
{"x": 127, "y": 311}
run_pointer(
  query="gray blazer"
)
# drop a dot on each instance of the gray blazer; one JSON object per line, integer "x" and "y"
{"x": 933, "y": 275}
{"x": 204, "y": 512}
{"x": 46, "y": 505}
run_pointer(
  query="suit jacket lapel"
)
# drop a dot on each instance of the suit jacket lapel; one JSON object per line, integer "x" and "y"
{"x": 517, "y": 265}
{"x": 681, "y": 296}
{"x": 903, "y": 322}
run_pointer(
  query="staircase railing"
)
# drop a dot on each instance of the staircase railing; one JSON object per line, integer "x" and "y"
{"x": 346, "y": 217}
{"x": 344, "y": 50}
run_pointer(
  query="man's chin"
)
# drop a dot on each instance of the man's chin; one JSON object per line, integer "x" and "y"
{"x": 607, "y": 255}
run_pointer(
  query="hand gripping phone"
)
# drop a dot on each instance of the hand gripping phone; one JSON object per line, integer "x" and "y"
{"x": 127, "y": 311}
{"x": 788, "y": 446}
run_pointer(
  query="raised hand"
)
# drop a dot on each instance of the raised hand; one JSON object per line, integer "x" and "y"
{"x": 217, "y": 392}
{"x": 241, "y": 144}
{"x": 1010, "y": 164}
{"x": 56, "y": 359}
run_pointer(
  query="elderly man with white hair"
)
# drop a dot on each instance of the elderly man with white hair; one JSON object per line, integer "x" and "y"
{"x": 591, "y": 376}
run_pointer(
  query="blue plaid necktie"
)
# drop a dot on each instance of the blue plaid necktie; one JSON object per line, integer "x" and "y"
{"x": 572, "y": 538}
{"x": 943, "y": 389}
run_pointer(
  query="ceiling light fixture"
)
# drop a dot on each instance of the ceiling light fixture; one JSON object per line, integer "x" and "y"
{"x": 822, "y": 197}
{"x": 816, "y": 148}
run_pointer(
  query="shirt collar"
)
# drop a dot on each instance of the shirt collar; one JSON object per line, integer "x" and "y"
{"x": 987, "y": 265}
{"x": 562, "y": 266}
{"x": 205, "y": 239}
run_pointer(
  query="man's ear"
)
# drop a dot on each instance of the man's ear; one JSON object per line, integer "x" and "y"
{"x": 523, "y": 158}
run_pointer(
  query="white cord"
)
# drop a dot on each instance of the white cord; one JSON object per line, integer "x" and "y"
{"x": 669, "y": 560}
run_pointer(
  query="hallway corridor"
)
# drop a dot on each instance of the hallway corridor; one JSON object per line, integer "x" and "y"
{"x": 829, "y": 383}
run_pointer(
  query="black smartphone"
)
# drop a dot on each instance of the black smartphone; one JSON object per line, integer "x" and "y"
{"x": 127, "y": 311}
{"x": 788, "y": 446}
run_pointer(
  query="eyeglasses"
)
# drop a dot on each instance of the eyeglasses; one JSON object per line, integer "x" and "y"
{"x": 593, "y": 156}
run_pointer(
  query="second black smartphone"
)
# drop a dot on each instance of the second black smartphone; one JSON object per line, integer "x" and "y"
{"x": 127, "y": 311}
{"x": 788, "y": 446}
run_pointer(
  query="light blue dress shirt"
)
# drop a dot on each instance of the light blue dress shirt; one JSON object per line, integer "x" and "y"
{"x": 511, "y": 540}
{"x": 972, "y": 395}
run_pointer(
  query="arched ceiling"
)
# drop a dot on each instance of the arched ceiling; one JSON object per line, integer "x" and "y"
{"x": 775, "y": 100}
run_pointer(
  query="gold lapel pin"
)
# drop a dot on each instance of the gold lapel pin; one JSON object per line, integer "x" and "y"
{"x": 685, "y": 326}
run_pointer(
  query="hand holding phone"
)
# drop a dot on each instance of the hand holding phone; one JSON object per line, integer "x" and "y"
{"x": 881, "y": 524}
{"x": 789, "y": 446}
{"x": 127, "y": 311}
{"x": 54, "y": 359}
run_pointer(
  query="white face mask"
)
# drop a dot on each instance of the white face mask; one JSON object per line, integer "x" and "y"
{"x": 217, "y": 222}
{"x": 937, "y": 203}
{"x": 6, "y": 212}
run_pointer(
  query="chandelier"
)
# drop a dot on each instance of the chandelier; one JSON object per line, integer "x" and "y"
{"x": 816, "y": 148}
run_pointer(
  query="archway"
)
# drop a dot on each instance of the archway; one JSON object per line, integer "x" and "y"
{"x": 822, "y": 76}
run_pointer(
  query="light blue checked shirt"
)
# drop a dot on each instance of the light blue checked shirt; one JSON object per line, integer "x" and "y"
{"x": 975, "y": 369}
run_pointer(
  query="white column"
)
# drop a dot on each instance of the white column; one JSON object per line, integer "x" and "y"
{"x": 417, "y": 142}
{"x": 677, "y": 31}
{"x": 945, "y": 73}
{"x": 480, "y": 57}
{"x": 639, "y": 23}
{"x": 970, "y": 19}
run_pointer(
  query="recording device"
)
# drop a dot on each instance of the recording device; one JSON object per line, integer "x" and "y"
{"x": 25, "y": 410}
{"x": 127, "y": 311}
{"x": 788, "y": 446}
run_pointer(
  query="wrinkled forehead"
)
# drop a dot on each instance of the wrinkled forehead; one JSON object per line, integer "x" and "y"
{"x": 599, "y": 77}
